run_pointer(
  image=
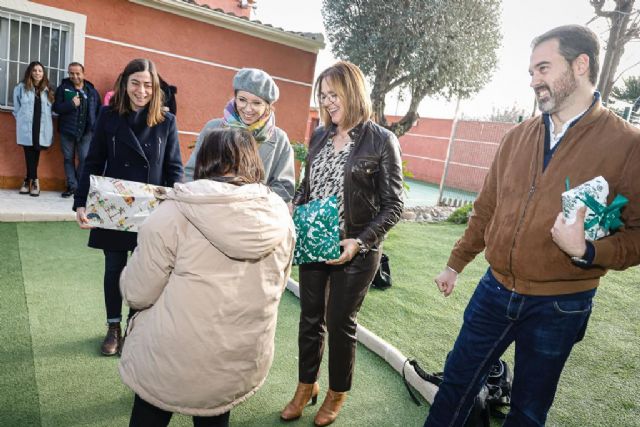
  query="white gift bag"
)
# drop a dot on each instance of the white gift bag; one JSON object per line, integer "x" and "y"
{"x": 117, "y": 204}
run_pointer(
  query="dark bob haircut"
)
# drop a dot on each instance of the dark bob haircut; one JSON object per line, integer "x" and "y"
{"x": 229, "y": 152}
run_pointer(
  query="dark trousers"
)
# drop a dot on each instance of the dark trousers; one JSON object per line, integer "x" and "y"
{"x": 145, "y": 414}
{"x": 70, "y": 146}
{"x": 114, "y": 263}
{"x": 31, "y": 158}
{"x": 330, "y": 298}
{"x": 544, "y": 329}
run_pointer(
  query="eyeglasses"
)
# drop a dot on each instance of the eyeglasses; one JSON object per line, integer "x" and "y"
{"x": 255, "y": 105}
{"x": 331, "y": 97}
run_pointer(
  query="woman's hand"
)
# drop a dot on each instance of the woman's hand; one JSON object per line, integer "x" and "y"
{"x": 349, "y": 251}
{"x": 81, "y": 218}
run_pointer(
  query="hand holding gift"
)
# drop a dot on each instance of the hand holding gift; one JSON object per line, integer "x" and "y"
{"x": 600, "y": 219}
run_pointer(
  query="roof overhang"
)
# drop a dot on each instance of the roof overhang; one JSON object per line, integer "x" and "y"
{"x": 234, "y": 23}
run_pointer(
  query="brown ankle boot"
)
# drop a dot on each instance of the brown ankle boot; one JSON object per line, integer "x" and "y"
{"x": 111, "y": 343}
{"x": 26, "y": 187}
{"x": 330, "y": 407}
{"x": 35, "y": 188}
{"x": 304, "y": 393}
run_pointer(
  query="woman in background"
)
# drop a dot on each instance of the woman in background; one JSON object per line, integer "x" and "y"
{"x": 207, "y": 276}
{"x": 359, "y": 162}
{"x": 135, "y": 140}
{"x": 32, "y": 101}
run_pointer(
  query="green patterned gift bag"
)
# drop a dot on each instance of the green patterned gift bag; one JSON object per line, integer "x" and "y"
{"x": 317, "y": 231}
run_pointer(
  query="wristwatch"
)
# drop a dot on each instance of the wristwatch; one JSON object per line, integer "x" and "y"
{"x": 579, "y": 260}
{"x": 363, "y": 249}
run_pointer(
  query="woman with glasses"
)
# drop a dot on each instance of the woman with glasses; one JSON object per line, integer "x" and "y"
{"x": 252, "y": 109}
{"x": 32, "y": 101}
{"x": 359, "y": 162}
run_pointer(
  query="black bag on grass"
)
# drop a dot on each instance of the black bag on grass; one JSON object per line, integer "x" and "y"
{"x": 382, "y": 279}
{"x": 494, "y": 394}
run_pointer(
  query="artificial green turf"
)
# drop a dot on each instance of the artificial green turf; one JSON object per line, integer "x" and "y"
{"x": 18, "y": 391}
{"x": 601, "y": 381}
{"x": 79, "y": 387}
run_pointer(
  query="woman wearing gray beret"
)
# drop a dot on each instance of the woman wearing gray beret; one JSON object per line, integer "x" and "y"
{"x": 251, "y": 109}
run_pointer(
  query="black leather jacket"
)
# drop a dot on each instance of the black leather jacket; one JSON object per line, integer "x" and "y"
{"x": 372, "y": 181}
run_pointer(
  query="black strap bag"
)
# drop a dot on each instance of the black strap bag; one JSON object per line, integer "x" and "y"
{"x": 382, "y": 279}
{"x": 494, "y": 394}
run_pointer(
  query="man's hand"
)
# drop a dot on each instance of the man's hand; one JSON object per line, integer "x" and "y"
{"x": 76, "y": 100}
{"x": 81, "y": 217}
{"x": 570, "y": 237}
{"x": 350, "y": 250}
{"x": 446, "y": 281}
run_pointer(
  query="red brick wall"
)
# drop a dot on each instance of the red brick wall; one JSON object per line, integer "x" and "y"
{"x": 203, "y": 89}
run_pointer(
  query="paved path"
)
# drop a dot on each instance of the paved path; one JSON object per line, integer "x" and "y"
{"x": 49, "y": 206}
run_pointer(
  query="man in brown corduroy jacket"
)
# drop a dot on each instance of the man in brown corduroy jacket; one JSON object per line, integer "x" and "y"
{"x": 543, "y": 274}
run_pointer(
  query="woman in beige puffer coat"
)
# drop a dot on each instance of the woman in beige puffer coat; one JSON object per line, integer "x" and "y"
{"x": 210, "y": 267}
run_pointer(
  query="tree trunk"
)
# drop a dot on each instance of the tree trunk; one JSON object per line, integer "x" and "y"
{"x": 619, "y": 21}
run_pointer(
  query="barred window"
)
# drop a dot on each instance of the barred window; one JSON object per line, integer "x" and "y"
{"x": 25, "y": 38}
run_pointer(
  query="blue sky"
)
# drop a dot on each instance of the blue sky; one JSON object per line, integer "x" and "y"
{"x": 521, "y": 22}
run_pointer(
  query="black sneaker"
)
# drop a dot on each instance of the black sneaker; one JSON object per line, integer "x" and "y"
{"x": 68, "y": 192}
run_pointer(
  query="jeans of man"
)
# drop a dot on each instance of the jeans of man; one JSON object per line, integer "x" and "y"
{"x": 544, "y": 329}
{"x": 70, "y": 146}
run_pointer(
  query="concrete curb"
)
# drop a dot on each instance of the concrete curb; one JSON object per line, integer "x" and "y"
{"x": 386, "y": 351}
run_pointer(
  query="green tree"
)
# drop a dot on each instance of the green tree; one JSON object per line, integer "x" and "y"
{"x": 629, "y": 91}
{"x": 444, "y": 47}
{"x": 624, "y": 26}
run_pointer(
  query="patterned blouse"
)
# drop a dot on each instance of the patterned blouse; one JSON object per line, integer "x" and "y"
{"x": 327, "y": 175}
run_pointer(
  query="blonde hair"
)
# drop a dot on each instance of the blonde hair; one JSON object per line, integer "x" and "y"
{"x": 121, "y": 102}
{"x": 349, "y": 84}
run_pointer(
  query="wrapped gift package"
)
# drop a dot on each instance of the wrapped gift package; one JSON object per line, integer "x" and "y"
{"x": 117, "y": 204}
{"x": 594, "y": 190}
{"x": 317, "y": 231}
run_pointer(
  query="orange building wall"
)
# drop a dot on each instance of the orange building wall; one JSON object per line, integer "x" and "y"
{"x": 203, "y": 89}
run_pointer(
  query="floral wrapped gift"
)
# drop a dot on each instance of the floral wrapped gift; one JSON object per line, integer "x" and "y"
{"x": 317, "y": 231}
{"x": 118, "y": 204}
{"x": 600, "y": 220}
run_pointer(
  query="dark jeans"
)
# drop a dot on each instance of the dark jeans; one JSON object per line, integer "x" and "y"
{"x": 71, "y": 145}
{"x": 544, "y": 329}
{"x": 31, "y": 158}
{"x": 114, "y": 263}
{"x": 145, "y": 414}
{"x": 334, "y": 310}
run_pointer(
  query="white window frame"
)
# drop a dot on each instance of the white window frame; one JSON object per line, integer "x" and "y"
{"x": 76, "y": 22}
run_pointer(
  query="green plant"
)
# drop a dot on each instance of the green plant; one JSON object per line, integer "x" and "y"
{"x": 300, "y": 151}
{"x": 461, "y": 215}
{"x": 406, "y": 173}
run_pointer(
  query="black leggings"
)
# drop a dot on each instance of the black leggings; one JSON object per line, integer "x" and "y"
{"x": 145, "y": 414}
{"x": 31, "y": 158}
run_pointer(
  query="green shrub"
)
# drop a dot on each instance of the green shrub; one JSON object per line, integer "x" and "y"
{"x": 461, "y": 215}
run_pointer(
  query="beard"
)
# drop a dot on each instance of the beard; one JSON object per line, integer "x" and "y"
{"x": 563, "y": 87}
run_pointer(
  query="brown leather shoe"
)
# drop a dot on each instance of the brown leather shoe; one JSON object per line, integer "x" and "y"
{"x": 304, "y": 393}
{"x": 111, "y": 343}
{"x": 26, "y": 187}
{"x": 35, "y": 188}
{"x": 330, "y": 407}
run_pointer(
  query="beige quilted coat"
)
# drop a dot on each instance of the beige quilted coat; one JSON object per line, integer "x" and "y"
{"x": 209, "y": 270}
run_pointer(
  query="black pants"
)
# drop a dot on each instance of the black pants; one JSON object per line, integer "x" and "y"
{"x": 114, "y": 263}
{"x": 145, "y": 414}
{"x": 31, "y": 158}
{"x": 334, "y": 310}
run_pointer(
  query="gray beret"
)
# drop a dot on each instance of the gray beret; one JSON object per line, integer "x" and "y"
{"x": 258, "y": 83}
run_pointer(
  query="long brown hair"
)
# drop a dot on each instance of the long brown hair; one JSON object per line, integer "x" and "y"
{"x": 349, "y": 84}
{"x": 230, "y": 151}
{"x": 121, "y": 102}
{"x": 44, "y": 83}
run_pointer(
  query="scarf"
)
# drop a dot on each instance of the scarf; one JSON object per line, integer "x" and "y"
{"x": 261, "y": 130}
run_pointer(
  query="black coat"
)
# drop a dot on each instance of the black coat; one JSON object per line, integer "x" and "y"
{"x": 115, "y": 151}
{"x": 68, "y": 113}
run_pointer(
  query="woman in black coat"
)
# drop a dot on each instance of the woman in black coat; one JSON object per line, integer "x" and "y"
{"x": 135, "y": 140}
